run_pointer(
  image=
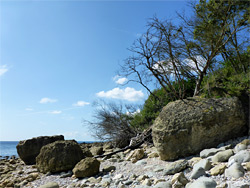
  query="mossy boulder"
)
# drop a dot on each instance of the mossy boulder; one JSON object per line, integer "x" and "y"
{"x": 87, "y": 167}
{"x": 59, "y": 156}
{"x": 185, "y": 127}
{"x": 29, "y": 149}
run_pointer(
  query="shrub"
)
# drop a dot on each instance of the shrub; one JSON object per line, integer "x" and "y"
{"x": 153, "y": 105}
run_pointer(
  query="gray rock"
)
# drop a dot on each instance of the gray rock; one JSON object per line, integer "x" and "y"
{"x": 50, "y": 185}
{"x": 59, "y": 156}
{"x": 222, "y": 156}
{"x": 197, "y": 172}
{"x": 186, "y": 127}
{"x": 66, "y": 174}
{"x": 240, "y": 157}
{"x": 29, "y": 149}
{"x": 163, "y": 185}
{"x": 128, "y": 182}
{"x": 158, "y": 169}
{"x": 142, "y": 186}
{"x": 175, "y": 167}
{"x": 108, "y": 168}
{"x": 141, "y": 162}
{"x": 239, "y": 147}
{"x": 202, "y": 182}
{"x": 96, "y": 150}
{"x": 210, "y": 152}
{"x": 204, "y": 163}
{"x": 235, "y": 171}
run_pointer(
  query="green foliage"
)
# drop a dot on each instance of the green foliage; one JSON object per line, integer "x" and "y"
{"x": 153, "y": 106}
{"x": 215, "y": 17}
{"x": 226, "y": 81}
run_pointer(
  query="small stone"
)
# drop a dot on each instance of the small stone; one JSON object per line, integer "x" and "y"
{"x": 239, "y": 147}
{"x": 141, "y": 162}
{"x": 136, "y": 154}
{"x": 128, "y": 182}
{"x": 158, "y": 169}
{"x": 218, "y": 169}
{"x": 92, "y": 180}
{"x": 133, "y": 177}
{"x": 153, "y": 155}
{"x": 106, "y": 182}
{"x": 67, "y": 174}
{"x": 108, "y": 168}
{"x": 197, "y": 172}
{"x": 147, "y": 182}
{"x": 163, "y": 185}
{"x": 118, "y": 176}
{"x": 175, "y": 167}
{"x": 50, "y": 185}
{"x": 241, "y": 157}
{"x": 121, "y": 186}
{"x": 246, "y": 142}
{"x": 113, "y": 160}
{"x": 204, "y": 163}
{"x": 158, "y": 180}
{"x": 210, "y": 152}
{"x": 247, "y": 166}
{"x": 234, "y": 171}
{"x": 193, "y": 161}
{"x": 223, "y": 185}
{"x": 222, "y": 156}
{"x": 142, "y": 177}
{"x": 179, "y": 178}
{"x": 202, "y": 182}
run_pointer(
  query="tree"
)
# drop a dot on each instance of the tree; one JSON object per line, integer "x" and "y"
{"x": 169, "y": 53}
{"x": 220, "y": 27}
{"x": 112, "y": 123}
{"x": 158, "y": 58}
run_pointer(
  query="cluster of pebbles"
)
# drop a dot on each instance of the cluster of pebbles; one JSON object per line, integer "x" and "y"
{"x": 228, "y": 165}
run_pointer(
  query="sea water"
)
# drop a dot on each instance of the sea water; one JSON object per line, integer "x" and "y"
{"x": 8, "y": 148}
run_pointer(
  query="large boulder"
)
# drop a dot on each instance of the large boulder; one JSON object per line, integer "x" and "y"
{"x": 29, "y": 149}
{"x": 185, "y": 127}
{"x": 59, "y": 156}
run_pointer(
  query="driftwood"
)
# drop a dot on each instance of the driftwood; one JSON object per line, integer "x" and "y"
{"x": 145, "y": 135}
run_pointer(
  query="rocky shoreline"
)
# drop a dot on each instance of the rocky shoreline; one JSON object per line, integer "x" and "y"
{"x": 228, "y": 165}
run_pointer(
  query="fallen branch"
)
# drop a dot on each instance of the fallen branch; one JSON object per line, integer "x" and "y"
{"x": 132, "y": 147}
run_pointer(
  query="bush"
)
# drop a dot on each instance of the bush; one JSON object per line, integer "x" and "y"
{"x": 112, "y": 123}
{"x": 153, "y": 105}
{"x": 228, "y": 81}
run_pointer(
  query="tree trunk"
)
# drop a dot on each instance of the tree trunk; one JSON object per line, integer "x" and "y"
{"x": 198, "y": 84}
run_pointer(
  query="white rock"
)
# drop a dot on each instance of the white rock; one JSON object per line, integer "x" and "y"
{"x": 118, "y": 176}
{"x": 241, "y": 157}
{"x": 234, "y": 171}
{"x": 202, "y": 182}
{"x": 204, "y": 163}
{"x": 197, "y": 172}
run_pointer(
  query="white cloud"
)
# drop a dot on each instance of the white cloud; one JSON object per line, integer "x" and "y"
{"x": 133, "y": 113}
{"x": 81, "y": 103}
{"x": 166, "y": 66}
{"x": 3, "y": 69}
{"x": 129, "y": 94}
{"x": 120, "y": 80}
{"x": 56, "y": 112}
{"x": 29, "y": 109}
{"x": 47, "y": 100}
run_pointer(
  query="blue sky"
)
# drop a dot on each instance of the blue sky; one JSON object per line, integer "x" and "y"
{"x": 57, "y": 57}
